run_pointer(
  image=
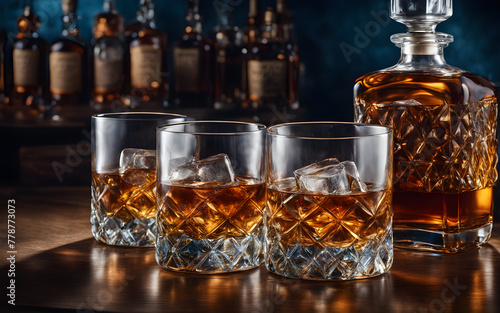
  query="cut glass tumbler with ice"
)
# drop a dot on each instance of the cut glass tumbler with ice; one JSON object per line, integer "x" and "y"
{"x": 209, "y": 214}
{"x": 125, "y": 201}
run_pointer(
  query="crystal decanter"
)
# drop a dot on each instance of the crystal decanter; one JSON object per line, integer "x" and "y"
{"x": 444, "y": 124}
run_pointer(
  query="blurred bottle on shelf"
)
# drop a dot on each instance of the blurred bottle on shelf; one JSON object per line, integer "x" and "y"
{"x": 193, "y": 58}
{"x": 252, "y": 25}
{"x": 29, "y": 67}
{"x": 284, "y": 20}
{"x": 109, "y": 20}
{"x": 285, "y": 34}
{"x": 269, "y": 70}
{"x": 132, "y": 28}
{"x": 129, "y": 33}
{"x": 108, "y": 58}
{"x": 68, "y": 63}
{"x": 3, "y": 42}
{"x": 147, "y": 76}
{"x": 228, "y": 40}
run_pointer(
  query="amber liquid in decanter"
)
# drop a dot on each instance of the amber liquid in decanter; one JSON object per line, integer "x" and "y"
{"x": 444, "y": 127}
{"x": 445, "y": 145}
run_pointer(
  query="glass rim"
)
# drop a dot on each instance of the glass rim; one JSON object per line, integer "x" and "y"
{"x": 260, "y": 128}
{"x": 129, "y": 116}
{"x": 384, "y": 130}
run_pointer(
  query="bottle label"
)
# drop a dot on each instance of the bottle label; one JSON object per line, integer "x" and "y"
{"x": 266, "y": 78}
{"x": 145, "y": 66}
{"x": 25, "y": 67}
{"x": 186, "y": 69}
{"x": 65, "y": 72}
{"x": 107, "y": 75}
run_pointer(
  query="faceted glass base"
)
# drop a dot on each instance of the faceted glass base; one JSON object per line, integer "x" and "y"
{"x": 208, "y": 256}
{"x": 113, "y": 231}
{"x": 362, "y": 259}
{"x": 440, "y": 241}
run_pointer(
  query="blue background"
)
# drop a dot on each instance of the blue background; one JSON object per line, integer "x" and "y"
{"x": 321, "y": 27}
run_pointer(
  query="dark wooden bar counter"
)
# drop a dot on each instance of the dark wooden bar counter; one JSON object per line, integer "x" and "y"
{"x": 59, "y": 267}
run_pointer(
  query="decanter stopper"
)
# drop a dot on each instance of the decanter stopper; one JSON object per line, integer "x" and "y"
{"x": 421, "y": 15}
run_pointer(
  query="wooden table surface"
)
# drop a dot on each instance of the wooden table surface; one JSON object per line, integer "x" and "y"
{"x": 59, "y": 267}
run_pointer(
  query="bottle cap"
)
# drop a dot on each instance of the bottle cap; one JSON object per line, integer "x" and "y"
{"x": 27, "y": 11}
{"x": 421, "y": 15}
{"x": 269, "y": 16}
{"x": 69, "y": 6}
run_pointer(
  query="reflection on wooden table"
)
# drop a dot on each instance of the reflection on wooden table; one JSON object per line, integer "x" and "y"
{"x": 60, "y": 266}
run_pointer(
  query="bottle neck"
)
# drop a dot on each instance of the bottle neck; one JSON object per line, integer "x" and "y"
{"x": 149, "y": 19}
{"x": 27, "y": 24}
{"x": 139, "y": 17}
{"x": 225, "y": 19}
{"x": 108, "y": 6}
{"x": 422, "y": 54}
{"x": 102, "y": 30}
{"x": 253, "y": 13}
{"x": 270, "y": 28}
{"x": 70, "y": 25}
{"x": 146, "y": 15}
{"x": 107, "y": 23}
{"x": 252, "y": 27}
{"x": 27, "y": 31}
{"x": 253, "y": 9}
{"x": 270, "y": 32}
{"x": 422, "y": 49}
{"x": 284, "y": 19}
{"x": 193, "y": 20}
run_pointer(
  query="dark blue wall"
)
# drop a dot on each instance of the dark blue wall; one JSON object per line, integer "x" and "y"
{"x": 322, "y": 27}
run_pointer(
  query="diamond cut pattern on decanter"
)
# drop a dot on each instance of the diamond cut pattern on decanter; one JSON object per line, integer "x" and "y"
{"x": 441, "y": 148}
{"x": 318, "y": 237}
{"x": 221, "y": 231}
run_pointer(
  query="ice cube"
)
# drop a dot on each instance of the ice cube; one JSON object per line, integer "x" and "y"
{"x": 329, "y": 180}
{"x": 355, "y": 183}
{"x": 329, "y": 177}
{"x": 132, "y": 158}
{"x": 315, "y": 166}
{"x": 287, "y": 184}
{"x": 216, "y": 168}
{"x": 138, "y": 177}
{"x": 186, "y": 172}
{"x": 135, "y": 165}
{"x": 174, "y": 163}
{"x": 405, "y": 103}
